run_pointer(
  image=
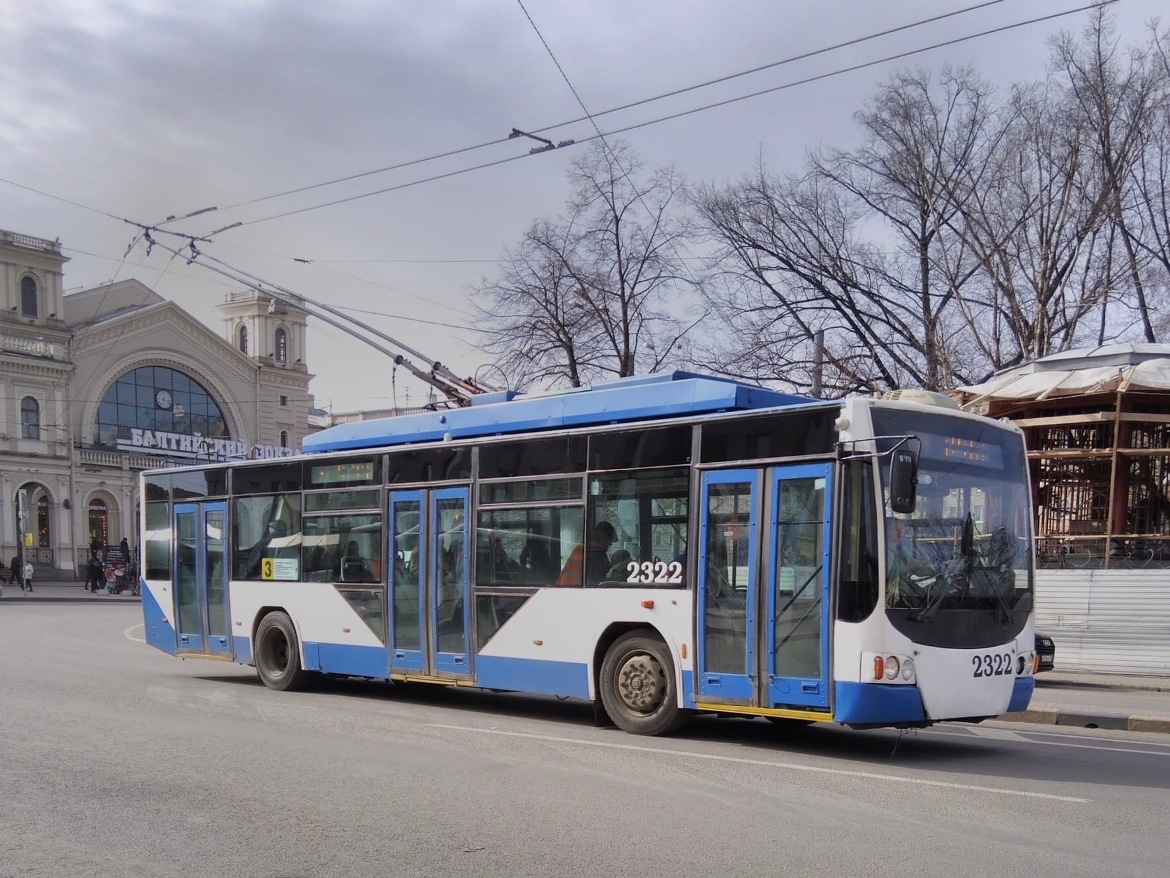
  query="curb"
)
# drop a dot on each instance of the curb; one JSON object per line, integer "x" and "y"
{"x": 54, "y": 594}
{"x": 1080, "y": 719}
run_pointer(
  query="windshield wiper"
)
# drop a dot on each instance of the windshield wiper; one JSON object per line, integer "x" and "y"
{"x": 952, "y": 575}
{"x": 956, "y": 572}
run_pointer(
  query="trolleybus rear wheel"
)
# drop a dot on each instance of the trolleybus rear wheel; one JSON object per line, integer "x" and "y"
{"x": 278, "y": 656}
{"x": 638, "y": 687}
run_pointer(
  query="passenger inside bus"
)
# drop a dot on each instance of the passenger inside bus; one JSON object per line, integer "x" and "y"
{"x": 354, "y": 567}
{"x": 535, "y": 559}
{"x": 619, "y": 566}
{"x": 590, "y": 560}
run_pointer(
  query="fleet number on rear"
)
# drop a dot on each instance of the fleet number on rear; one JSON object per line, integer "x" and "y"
{"x": 996, "y": 664}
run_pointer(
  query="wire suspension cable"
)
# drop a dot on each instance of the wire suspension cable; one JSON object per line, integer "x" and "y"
{"x": 457, "y": 389}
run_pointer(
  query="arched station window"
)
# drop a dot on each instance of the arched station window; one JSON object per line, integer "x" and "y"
{"x": 244, "y": 339}
{"x": 158, "y": 398}
{"x": 281, "y": 346}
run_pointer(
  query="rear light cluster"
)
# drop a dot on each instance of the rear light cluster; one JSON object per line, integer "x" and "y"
{"x": 890, "y": 668}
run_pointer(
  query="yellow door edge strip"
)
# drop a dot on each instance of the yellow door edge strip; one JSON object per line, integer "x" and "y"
{"x": 423, "y": 678}
{"x": 786, "y": 713}
{"x": 210, "y": 656}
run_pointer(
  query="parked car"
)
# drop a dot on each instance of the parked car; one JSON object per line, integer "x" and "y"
{"x": 1046, "y": 649}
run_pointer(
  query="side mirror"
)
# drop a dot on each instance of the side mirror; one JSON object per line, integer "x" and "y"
{"x": 903, "y": 480}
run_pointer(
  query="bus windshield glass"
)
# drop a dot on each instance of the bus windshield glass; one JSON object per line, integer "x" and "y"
{"x": 957, "y": 568}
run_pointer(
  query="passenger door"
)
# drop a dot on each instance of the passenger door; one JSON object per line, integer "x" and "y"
{"x": 727, "y": 588}
{"x": 797, "y": 628}
{"x": 763, "y": 587}
{"x": 430, "y": 582}
{"x": 202, "y": 615}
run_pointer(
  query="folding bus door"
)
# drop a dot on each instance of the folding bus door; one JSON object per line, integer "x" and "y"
{"x": 201, "y": 579}
{"x": 727, "y": 593}
{"x": 430, "y": 583}
{"x": 796, "y": 636}
{"x": 407, "y": 582}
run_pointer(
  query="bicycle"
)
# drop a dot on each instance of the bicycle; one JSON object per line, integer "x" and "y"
{"x": 1140, "y": 553}
{"x": 1051, "y": 554}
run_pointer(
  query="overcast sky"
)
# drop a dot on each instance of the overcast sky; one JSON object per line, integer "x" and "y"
{"x": 142, "y": 109}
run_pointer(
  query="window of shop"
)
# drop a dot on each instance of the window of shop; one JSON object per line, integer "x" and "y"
{"x": 99, "y": 522}
{"x": 281, "y": 346}
{"x": 159, "y": 400}
{"x": 43, "y": 522}
{"x": 30, "y": 418}
{"x": 28, "y": 296}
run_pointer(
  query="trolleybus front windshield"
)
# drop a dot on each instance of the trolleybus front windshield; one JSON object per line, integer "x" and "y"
{"x": 957, "y": 568}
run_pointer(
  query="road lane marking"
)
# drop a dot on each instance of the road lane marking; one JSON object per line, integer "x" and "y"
{"x": 132, "y": 632}
{"x": 1030, "y": 737}
{"x": 791, "y": 766}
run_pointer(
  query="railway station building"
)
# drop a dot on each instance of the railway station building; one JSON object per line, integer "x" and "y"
{"x": 99, "y": 384}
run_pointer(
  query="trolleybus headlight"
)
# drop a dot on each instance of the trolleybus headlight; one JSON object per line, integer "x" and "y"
{"x": 908, "y": 670}
{"x": 892, "y": 667}
{"x": 1021, "y": 663}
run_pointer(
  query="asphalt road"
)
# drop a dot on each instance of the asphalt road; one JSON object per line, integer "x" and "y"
{"x": 121, "y": 761}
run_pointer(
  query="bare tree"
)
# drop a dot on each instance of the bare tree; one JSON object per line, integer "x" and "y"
{"x": 537, "y": 327}
{"x": 1033, "y": 219}
{"x": 598, "y": 293}
{"x": 1150, "y": 209}
{"x": 1115, "y": 103}
{"x": 862, "y": 249}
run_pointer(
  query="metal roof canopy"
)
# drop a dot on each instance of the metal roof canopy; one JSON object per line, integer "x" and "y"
{"x": 640, "y": 398}
{"x": 1086, "y": 371}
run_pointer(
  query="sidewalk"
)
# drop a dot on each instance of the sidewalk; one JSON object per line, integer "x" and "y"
{"x": 1099, "y": 701}
{"x": 1062, "y": 698}
{"x": 57, "y": 590}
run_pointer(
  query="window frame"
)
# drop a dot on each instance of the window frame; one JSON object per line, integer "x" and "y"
{"x": 30, "y": 427}
{"x": 29, "y": 296}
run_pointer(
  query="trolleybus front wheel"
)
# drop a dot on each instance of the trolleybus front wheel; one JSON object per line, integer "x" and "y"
{"x": 638, "y": 686}
{"x": 278, "y": 657}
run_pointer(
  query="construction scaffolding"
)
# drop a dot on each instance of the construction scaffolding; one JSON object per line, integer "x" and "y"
{"x": 1097, "y": 426}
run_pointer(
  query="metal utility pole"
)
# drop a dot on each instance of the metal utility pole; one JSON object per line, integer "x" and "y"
{"x": 21, "y": 529}
{"x": 818, "y": 368}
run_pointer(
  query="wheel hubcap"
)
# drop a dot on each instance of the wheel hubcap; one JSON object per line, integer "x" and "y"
{"x": 641, "y": 683}
{"x": 277, "y": 654}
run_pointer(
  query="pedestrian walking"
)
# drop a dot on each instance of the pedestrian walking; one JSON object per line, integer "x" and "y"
{"x": 93, "y": 573}
{"x": 26, "y": 584}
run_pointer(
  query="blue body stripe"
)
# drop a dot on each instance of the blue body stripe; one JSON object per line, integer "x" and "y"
{"x": 1022, "y": 693}
{"x": 160, "y": 633}
{"x": 531, "y": 675}
{"x": 877, "y": 703}
{"x": 356, "y": 661}
{"x": 242, "y": 649}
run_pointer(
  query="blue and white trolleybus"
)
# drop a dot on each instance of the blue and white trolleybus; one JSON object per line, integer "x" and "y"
{"x": 662, "y": 546}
